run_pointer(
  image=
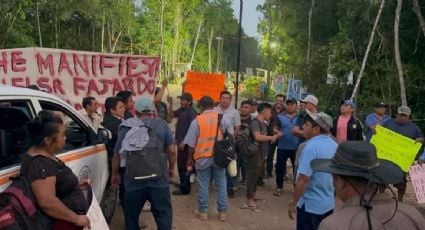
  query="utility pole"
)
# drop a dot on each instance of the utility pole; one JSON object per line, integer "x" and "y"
{"x": 238, "y": 64}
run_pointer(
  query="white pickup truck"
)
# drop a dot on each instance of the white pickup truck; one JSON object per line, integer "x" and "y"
{"x": 84, "y": 150}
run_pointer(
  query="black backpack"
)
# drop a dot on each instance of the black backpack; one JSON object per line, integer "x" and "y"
{"x": 224, "y": 150}
{"x": 151, "y": 161}
{"x": 18, "y": 209}
{"x": 247, "y": 146}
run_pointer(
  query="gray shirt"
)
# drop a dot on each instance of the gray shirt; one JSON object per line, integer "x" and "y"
{"x": 192, "y": 135}
{"x": 232, "y": 114}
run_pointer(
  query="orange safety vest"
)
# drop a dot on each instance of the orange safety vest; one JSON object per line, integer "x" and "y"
{"x": 207, "y": 123}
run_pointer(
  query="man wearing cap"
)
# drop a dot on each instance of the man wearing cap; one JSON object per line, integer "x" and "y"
{"x": 346, "y": 126}
{"x": 376, "y": 118}
{"x": 254, "y": 104}
{"x": 200, "y": 139}
{"x": 313, "y": 198}
{"x": 309, "y": 103}
{"x": 401, "y": 124}
{"x": 185, "y": 115}
{"x": 278, "y": 108}
{"x": 235, "y": 120}
{"x": 287, "y": 144}
{"x": 156, "y": 189}
{"x": 357, "y": 174}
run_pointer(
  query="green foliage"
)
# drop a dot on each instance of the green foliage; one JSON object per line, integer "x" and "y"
{"x": 340, "y": 34}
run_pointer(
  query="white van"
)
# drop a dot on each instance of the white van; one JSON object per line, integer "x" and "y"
{"x": 84, "y": 150}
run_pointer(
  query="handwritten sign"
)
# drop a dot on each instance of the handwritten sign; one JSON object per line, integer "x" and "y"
{"x": 72, "y": 75}
{"x": 204, "y": 84}
{"x": 417, "y": 174}
{"x": 394, "y": 147}
{"x": 95, "y": 215}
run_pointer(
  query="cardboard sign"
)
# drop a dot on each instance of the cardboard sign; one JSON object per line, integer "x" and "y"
{"x": 73, "y": 75}
{"x": 204, "y": 84}
{"x": 394, "y": 147}
{"x": 417, "y": 174}
{"x": 95, "y": 215}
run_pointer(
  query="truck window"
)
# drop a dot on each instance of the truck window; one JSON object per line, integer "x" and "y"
{"x": 14, "y": 114}
{"x": 77, "y": 134}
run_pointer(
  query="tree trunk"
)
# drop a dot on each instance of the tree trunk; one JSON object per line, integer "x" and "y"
{"x": 209, "y": 50}
{"x": 417, "y": 10}
{"x": 38, "y": 26}
{"x": 102, "y": 40}
{"x": 372, "y": 35}
{"x": 116, "y": 41}
{"x": 161, "y": 28}
{"x": 397, "y": 52}
{"x": 196, "y": 43}
{"x": 177, "y": 21}
{"x": 310, "y": 17}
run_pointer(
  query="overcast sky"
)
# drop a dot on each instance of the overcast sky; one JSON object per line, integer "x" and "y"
{"x": 250, "y": 17}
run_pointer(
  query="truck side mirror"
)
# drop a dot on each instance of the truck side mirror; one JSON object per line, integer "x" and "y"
{"x": 103, "y": 135}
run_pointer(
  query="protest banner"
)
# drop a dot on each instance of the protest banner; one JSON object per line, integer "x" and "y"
{"x": 417, "y": 174}
{"x": 394, "y": 147}
{"x": 72, "y": 75}
{"x": 94, "y": 213}
{"x": 204, "y": 84}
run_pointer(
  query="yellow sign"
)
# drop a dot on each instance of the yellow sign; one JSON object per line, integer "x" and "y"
{"x": 395, "y": 147}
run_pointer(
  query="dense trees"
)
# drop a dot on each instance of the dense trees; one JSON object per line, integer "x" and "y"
{"x": 334, "y": 43}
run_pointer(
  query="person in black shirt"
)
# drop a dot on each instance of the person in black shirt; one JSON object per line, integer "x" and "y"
{"x": 246, "y": 119}
{"x": 185, "y": 115}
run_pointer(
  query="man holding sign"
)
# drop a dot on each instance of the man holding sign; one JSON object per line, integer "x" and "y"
{"x": 401, "y": 124}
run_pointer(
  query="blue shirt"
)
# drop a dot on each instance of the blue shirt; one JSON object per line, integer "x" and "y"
{"x": 166, "y": 135}
{"x": 410, "y": 129}
{"x": 371, "y": 120}
{"x": 319, "y": 195}
{"x": 288, "y": 141}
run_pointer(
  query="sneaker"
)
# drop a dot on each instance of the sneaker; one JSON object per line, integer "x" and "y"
{"x": 260, "y": 183}
{"x": 178, "y": 192}
{"x": 202, "y": 215}
{"x": 277, "y": 192}
{"x": 222, "y": 216}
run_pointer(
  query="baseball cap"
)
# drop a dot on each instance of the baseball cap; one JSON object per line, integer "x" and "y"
{"x": 348, "y": 102}
{"x": 322, "y": 119}
{"x": 291, "y": 100}
{"x": 253, "y": 101}
{"x": 404, "y": 110}
{"x": 144, "y": 105}
{"x": 380, "y": 105}
{"x": 310, "y": 99}
{"x": 186, "y": 96}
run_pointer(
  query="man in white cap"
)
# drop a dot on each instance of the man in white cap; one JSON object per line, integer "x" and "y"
{"x": 309, "y": 103}
{"x": 357, "y": 174}
{"x": 403, "y": 125}
{"x": 313, "y": 198}
{"x": 147, "y": 144}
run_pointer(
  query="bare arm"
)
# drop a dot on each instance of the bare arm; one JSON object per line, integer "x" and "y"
{"x": 420, "y": 140}
{"x": 160, "y": 94}
{"x": 115, "y": 178}
{"x": 262, "y": 138}
{"x": 297, "y": 131}
{"x": 171, "y": 158}
{"x": 44, "y": 191}
{"x": 300, "y": 187}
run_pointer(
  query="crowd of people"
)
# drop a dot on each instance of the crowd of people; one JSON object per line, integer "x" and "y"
{"x": 331, "y": 159}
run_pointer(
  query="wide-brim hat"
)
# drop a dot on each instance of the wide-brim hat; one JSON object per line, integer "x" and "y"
{"x": 358, "y": 158}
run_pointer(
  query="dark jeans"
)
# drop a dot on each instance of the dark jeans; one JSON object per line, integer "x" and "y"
{"x": 282, "y": 157}
{"x": 270, "y": 156}
{"x": 242, "y": 167}
{"x": 160, "y": 200}
{"x": 255, "y": 169}
{"x": 182, "y": 156}
{"x": 121, "y": 189}
{"x": 229, "y": 181}
{"x": 309, "y": 221}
